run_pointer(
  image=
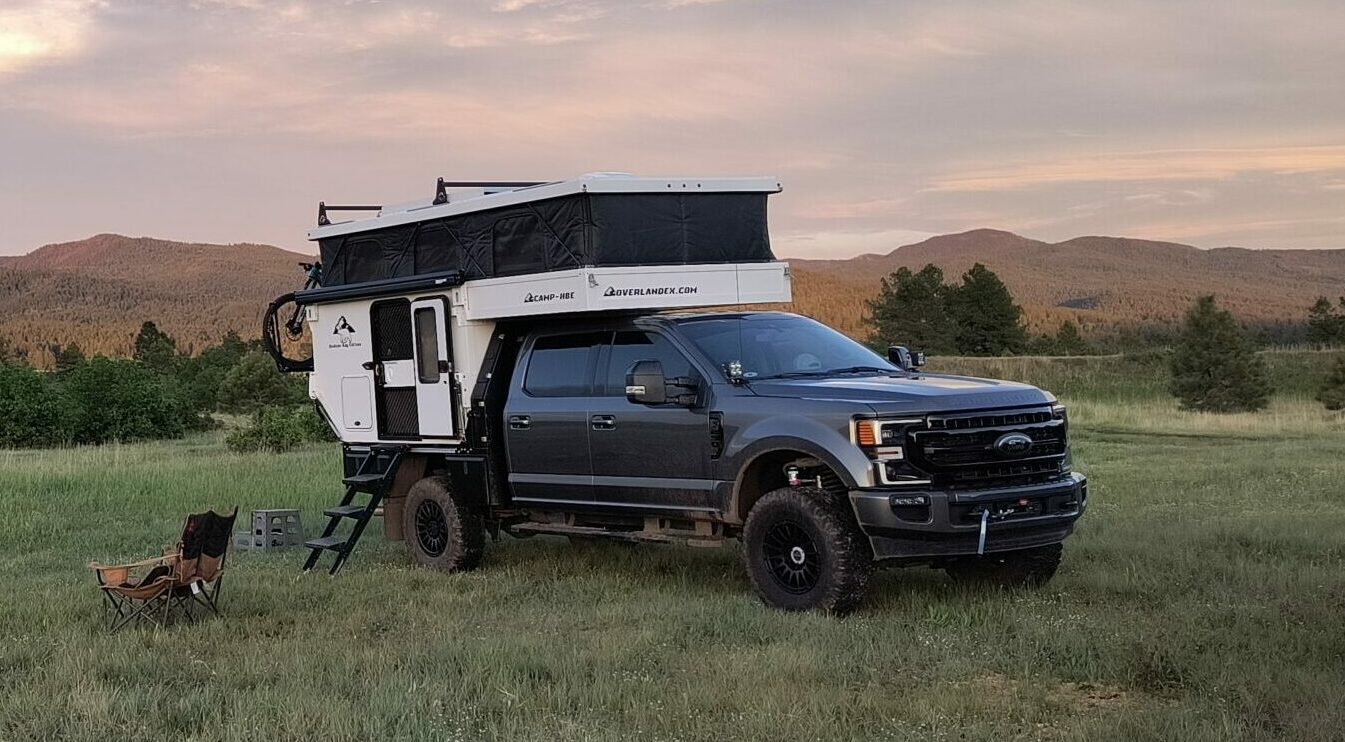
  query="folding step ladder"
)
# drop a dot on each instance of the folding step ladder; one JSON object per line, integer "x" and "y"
{"x": 369, "y": 481}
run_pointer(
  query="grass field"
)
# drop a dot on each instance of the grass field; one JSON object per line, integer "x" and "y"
{"x": 1202, "y": 598}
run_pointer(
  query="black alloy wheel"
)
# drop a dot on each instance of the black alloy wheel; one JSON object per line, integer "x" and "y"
{"x": 444, "y": 528}
{"x": 792, "y": 558}
{"x": 431, "y": 528}
{"x": 804, "y": 551}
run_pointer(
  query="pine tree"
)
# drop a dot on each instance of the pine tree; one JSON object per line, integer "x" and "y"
{"x": 254, "y": 384}
{"x": 1068, "y": 341}
{"x": 1215, "y": 368}
{"x": 988, "y": 322}
{"x": 1326, "y": 326}
{"x": 67, "y": 358}
{"x": 911, "y": 309}
{"x": 154, "y": 348}
{"x": 1332, "y": 393}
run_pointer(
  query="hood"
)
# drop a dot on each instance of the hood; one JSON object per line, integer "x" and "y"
{"x": 914, "y": 394}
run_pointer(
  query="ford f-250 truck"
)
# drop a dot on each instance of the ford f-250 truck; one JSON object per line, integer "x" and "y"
{"x": 821, "y": 456}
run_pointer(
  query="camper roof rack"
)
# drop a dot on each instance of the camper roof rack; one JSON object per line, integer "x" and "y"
{"x": 323, "y": 208}
{"x": 441, "y": 190}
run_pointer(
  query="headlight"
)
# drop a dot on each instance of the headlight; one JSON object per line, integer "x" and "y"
{"x": 1059, "y": 413}
{"x": 881, "y": 438}
{"x": 882, "y": 441}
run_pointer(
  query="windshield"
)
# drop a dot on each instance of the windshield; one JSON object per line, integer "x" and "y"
{"x": 780, "y": 345}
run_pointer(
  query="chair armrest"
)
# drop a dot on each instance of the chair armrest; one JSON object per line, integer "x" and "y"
{"x": 117, "y": 574}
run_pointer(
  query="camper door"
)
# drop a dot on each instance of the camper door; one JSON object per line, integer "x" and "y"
{"x": 434, "y": 368}
{"x": 412, "y": 367}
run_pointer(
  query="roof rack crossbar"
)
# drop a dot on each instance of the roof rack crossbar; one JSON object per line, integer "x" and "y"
{"x": 441, "y": 188}
{"x": 323, "y": 208}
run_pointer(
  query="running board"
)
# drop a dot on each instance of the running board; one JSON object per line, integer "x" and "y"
{"x": 647, "y": 537}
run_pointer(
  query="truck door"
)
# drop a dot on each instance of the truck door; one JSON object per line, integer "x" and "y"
{"x": 434, "y": 368}
{"x": 546, "y": 420}
{"x": 395, "y": 396}
{"x": 651, "y": 457}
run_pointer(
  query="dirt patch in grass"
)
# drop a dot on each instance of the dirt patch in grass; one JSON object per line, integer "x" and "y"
{"x": 1078, "y": 697}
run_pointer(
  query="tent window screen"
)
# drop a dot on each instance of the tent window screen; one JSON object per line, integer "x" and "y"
{"x": 427, "y": 346}
{"x": 435, "y": 249}
{"x": 364, "y": 260}
{"x": 517, "y": 244}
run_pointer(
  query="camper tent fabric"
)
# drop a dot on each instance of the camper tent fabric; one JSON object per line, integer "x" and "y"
{"x": 558, "y": 234}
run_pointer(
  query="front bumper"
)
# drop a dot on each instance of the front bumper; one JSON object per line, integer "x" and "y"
{"x": 949, "y": 524}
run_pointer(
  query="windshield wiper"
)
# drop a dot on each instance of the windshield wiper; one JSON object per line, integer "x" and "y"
{"x": 862, "y": 369}
{"x": 830, "y": 372}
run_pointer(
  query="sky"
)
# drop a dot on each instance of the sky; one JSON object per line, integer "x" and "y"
{"x": 1210, "y": 123}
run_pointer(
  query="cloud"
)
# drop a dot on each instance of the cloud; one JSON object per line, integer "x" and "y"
{"x": 34, "y": 32}
{"x": 831, "y": 245}
{"x": 881, "y": 119}
{"x": 1189, "y": 165}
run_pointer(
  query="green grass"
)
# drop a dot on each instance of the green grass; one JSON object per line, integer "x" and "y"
{"x": 1201, "y": 598}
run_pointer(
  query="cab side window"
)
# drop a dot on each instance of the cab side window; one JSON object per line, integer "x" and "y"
{"x": 563, "y": 365}
{"x": 630, "y": 346}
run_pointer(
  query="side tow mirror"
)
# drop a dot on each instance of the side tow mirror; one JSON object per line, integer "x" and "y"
{"x": 905, "y": 359}
{"x": 645, "y": 383}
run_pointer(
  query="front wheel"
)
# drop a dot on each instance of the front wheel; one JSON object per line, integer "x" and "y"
{"x": 442, "y": 529}
{"x": 1025, "y": 568}
{"x": 803, "y": 551}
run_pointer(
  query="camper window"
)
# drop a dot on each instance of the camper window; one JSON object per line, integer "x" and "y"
{"x": 427, "y": 346}
{"x": 518, "y": 243}
{"x": 435, "y": 249}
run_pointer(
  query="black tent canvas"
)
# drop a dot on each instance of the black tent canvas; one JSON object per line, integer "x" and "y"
{"x": 559, "y": 233}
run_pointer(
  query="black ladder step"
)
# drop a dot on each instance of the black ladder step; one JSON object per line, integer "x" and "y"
{"x": 335, "y": 543}
{"x": 361, "y": 480}
{"x": 345, "y": 511}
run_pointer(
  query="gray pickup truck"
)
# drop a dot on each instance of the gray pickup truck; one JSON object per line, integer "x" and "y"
{"x": 822, "y": 457}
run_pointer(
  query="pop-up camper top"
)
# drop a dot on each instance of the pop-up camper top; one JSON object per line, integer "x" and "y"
{"x": 595, "y": 242}
{"x": 404, "y": 304}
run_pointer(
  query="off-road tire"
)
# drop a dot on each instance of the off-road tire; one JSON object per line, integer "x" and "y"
{"x": 789, "y": 528}
{"x": 1026, "y": 568}
{"x": 443, "y": 530}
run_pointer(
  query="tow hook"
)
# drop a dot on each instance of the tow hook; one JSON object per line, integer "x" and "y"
{"x": 985, "y": 522}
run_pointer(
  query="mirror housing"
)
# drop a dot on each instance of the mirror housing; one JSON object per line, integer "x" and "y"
{"x": 645, "y": 383}
{"x": 905, "y": 359}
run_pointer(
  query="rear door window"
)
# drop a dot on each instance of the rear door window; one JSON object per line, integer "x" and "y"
{"x": 563, "y": 365}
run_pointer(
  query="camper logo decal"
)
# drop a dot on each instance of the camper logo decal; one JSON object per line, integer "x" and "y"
{"x": 553, "y": 296}
{"x": 651, "y": 291}
{"x": 344, "y": 332}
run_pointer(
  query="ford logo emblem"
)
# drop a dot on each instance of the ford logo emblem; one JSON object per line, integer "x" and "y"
{"x": 1013, "y": 445}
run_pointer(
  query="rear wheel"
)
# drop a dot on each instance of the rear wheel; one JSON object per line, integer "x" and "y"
{"x": 803, "y": 551}
{"x": 1026, "y": 568}
{"x": 442, "y": 529}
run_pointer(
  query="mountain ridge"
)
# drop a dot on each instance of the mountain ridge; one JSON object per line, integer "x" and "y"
{"x": 98, "y": 291}
{"x": 1103, "y": 283}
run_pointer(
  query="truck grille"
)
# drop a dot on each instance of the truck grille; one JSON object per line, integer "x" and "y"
{"x": 959, "y": 451}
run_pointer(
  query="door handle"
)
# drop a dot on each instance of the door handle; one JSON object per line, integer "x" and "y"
{"x": 519, "y": 422}
{"x": 603, "y": 422}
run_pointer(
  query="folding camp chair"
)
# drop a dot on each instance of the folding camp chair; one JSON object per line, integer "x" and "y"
{"x": 140, "y": 591}
{"x": 189, "y": 573}
{"x": 198, "y": 566}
